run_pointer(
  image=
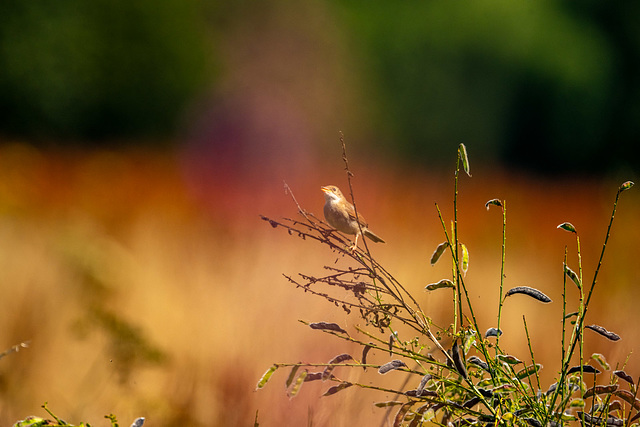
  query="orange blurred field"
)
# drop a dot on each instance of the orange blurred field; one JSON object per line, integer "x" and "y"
{"x": 145, "y": 292}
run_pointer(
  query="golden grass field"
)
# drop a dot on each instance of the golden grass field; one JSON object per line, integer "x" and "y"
{"x": 143, "y": 295}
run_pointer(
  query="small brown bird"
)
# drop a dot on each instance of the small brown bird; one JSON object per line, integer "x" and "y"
{"x": 341, "y": 215}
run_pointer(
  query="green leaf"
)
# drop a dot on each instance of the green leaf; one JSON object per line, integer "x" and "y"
{"x": 625, "y": 186}
{"x": 465, "y": 259}
{"x": 573, "y": 276}
{"x": 438, "y": 252}
{"x": 462, "y": 151}
{"x": 567, "y": 226}
{"x": 266, "y": 376}
{"x": 444, "y": 283}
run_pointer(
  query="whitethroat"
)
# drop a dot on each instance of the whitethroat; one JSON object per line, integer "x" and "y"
{"x": 341, "y": 215}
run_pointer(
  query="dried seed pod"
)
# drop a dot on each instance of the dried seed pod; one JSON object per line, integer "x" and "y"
{"x": 528, "y": 371}
{"x": 265, "y": 377}
{"x": 338, "y": 359}
{"x": 438, "y": 252}
{"x": 391, "y": 366}
{"x": 532, "y": 292}
{"x": 423, "y": 383}
{"x": 623, "y": 375}
{"x": 471, "y": 402}
{"x": 492, "y": 332}
{"x": 598, "y": 357}
{"x": 587, "y": 369}
{"x": 625, "y": 186}
{"x": 365, "y": 351}
{"x": 314, "y": 376}
{"x": 458, "y": 361}
{"x": 495, "y": 202}
{"x": 595, "y": 421}
{"x": 465, "y": 259}
{"x": 533, "y": 422}
{"x": 298, "y": 384}
{"x": 475, "y": 360}
{"x": 444, "y": 283}
{"x": 573, "y": 276}
{"x": 628, "y": 397}
{"x": 602, "y": 331}
{"x": 462, "y": 150}
{"x": 507, "y": 358}
{"x": 567, "y": 226}
{"x": 337, "y": 388}
{"x": 325, "y": 326}
{"x": 600, "y": 389}
{"x": 292, "y": 375}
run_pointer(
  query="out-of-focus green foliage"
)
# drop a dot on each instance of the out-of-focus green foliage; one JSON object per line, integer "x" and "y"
{"x": 546, "y": 84}
{"x": 99, "y": 69}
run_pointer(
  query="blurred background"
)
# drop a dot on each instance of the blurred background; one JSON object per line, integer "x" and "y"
{"x": 139, "y": 142}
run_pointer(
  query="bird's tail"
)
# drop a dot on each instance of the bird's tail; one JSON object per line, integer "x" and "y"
{"x": 373, "y": 236}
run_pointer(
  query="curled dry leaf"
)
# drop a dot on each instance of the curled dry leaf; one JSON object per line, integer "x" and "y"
{"x": 532, "y": 292}
{"x": 391, "y": 366}
{"x": 325, "y": 326}
{"x": 602, "y": 331}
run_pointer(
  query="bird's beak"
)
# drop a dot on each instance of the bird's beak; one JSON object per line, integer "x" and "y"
{"x": 325, "y": 189}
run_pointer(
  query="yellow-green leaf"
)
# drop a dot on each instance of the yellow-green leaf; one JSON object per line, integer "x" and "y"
{"x": 462, "y": 150}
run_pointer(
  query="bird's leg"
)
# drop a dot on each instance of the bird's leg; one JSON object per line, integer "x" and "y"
{"x": 355, "y": 243}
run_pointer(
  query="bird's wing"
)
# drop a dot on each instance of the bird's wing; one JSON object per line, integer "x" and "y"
{"x": 352, "y": 215}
